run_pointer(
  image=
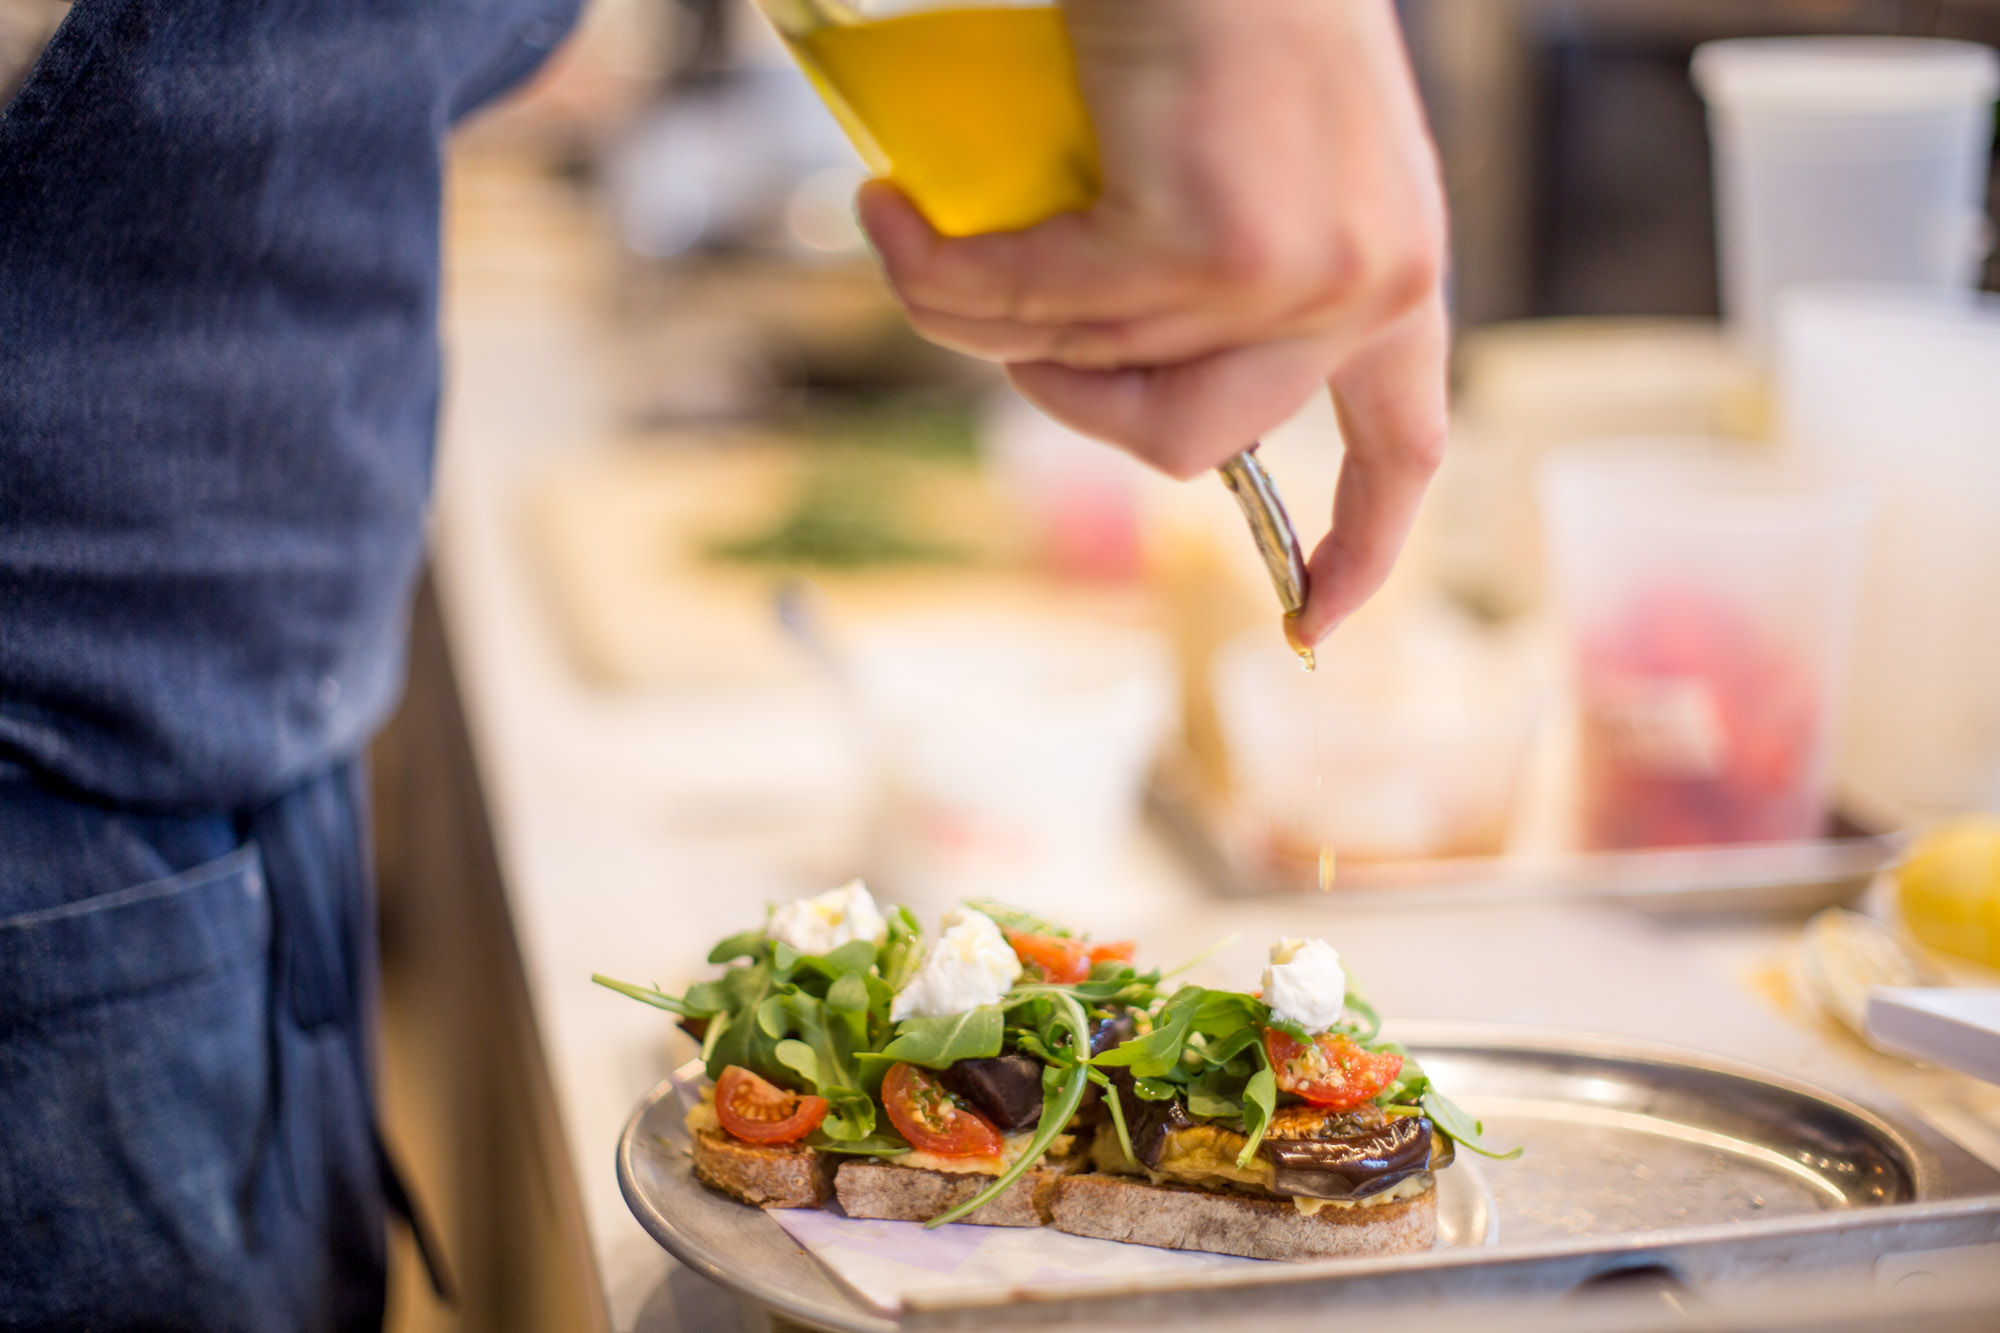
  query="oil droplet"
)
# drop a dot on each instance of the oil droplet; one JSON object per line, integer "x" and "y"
{"x": 1299, "y": 645}
{"x": 1325, "y": 867}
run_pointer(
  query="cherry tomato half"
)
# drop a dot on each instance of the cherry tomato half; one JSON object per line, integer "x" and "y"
{"x": 758, "y": 1111}
{"x": 1332, "y": 1072}
{"x": 1066, "y": 962}
{"x": 932, "y": 1119}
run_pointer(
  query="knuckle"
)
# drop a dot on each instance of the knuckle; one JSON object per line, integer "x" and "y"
{"x": 1410, "y": 275}
{"x": 1424, "y": 443}
{"x": 1247, "y": 255}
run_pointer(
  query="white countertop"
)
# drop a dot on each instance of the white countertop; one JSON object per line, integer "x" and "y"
{"x": 636, "y": 828}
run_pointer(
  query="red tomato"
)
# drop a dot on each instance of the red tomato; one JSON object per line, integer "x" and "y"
{"x": 1066, "y": 962}
{"x": 932, "y": 1119}
{"x": 760, "y": 1112}
{"x": 1333, "y": 1072}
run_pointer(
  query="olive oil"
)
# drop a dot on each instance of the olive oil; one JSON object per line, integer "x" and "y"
{"x": 973, "y": 113}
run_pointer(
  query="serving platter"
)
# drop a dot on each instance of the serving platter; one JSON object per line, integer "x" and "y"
{"x": 1636, "y": 1156}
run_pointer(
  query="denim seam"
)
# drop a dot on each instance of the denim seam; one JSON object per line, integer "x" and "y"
{"x": 139, "y": 893}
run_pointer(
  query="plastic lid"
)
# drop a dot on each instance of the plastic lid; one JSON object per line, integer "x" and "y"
{"x": 1845, "y": 74}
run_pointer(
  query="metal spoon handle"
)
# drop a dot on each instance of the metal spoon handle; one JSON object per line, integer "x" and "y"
{"x": 1270, "y": 526}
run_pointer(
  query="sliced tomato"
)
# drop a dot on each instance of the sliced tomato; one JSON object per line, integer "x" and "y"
{"x": 1115, "y": 951}
{"x": 1333, "y": 1071}
{"x": 1065, "y": 962}
{"x": 932, "y": 1119}
{"x": 758, "y": 1111}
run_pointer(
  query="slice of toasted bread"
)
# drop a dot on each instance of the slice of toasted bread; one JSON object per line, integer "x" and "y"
{"x": 912, "y": 1194}
{"x": 1186, "y": 1217}
{"x": 787, "y": 1175}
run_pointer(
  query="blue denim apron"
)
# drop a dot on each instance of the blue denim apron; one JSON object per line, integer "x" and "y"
{"x": 218, "y": 385}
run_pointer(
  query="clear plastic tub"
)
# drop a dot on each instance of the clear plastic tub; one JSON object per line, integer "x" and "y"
{"x": 1407, "y": 743}
{"x": 1845, "y": 157}
{"x": 1901, "y": 386}
{"x": 1708, "y": 601}
{"x": 1011, "y": 752}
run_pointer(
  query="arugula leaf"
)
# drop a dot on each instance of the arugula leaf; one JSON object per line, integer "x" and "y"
{"x": 1371, "y": 1022}
{"x": 1155, "y": 1089}
{"x": 902, "y": 950}
{"x": 1014, "y": 918}
{"x": 1463, "y": 1130}
{"x": 1215, "y": 1096}
{"x": 1117, "y": 1108}
{"x": 1260, "y": 1100}
{"x": 738, "y": 1035}
{"x": 648, "y": 995}
{"x": 1158, "y": 1053}
{"x": 853, "y": 956}
{"x": 848, "y": 1001}
{"x": 850, "y": 1115}
{"x": 1220, "y": 1052}
{"x": 708, "y": 997}
{"x": 937, "y": 1043}
{"x": 746, "y": 944}
{"x": 801, "y": 1059}
{"x": 1410, "y": 1082}
{"x": 886, "y": 1143}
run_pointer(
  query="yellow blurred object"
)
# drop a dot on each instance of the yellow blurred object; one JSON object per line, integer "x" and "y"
{"x": 974, "y": 113}
{"x": 1949, "y": 889}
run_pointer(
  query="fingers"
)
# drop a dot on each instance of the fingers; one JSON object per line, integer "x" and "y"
{"x": 1391, "y": 403}
{"x": 1183, "y": 419}
{"x": 1060, "y": 271}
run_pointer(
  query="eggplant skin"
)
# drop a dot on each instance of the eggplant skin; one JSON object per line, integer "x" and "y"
{"x": 1113, "y": 1030}
{"x": 1313, "y": 1152}
{"x": 1006, "y": 1089}
{"x": 1350, "y": 1165}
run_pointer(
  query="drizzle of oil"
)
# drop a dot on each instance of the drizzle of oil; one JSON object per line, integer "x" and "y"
{"x": 1326, "y": 860}
{"x": 1299, "y": 645}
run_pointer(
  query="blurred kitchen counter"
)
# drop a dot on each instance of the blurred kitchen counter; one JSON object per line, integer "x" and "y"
{"x": 630, "y": 829}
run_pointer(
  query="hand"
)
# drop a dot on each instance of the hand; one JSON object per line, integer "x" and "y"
{"x": 1271, "y": 220}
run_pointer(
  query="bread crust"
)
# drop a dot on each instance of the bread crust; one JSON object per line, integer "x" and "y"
{"x": 912, "y": 1194}
{"x": 1185, "y": 1217}
{"x": 788, "y": 1175}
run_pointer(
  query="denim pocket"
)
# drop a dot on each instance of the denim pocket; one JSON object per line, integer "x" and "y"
{"x": 149, "y": 937}
{"x": 135, "y": 1083}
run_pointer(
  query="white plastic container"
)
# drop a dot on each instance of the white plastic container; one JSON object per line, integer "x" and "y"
{"x": 1842, "y": 158}
{"x": 1707, "y": 598}
{"x": 1011, "y": 753}
{"x": 1901, "y": 386}
{"x": 1408, "y": 742}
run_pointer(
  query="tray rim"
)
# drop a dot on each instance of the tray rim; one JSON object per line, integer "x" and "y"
{"x": 1194, "y": 822}
{"x": 1927, "y": 1178}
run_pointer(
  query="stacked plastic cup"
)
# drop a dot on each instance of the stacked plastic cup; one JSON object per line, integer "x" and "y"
{"x": 1707, "y": 599}
{"x": 1845, "y": 158}
{"x": 1901, "y": 386}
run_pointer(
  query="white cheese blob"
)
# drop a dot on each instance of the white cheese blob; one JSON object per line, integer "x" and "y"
{"x": 1304, "y": 984}
{"x": 970, "y": 965}
{"x": 822, "y": 924}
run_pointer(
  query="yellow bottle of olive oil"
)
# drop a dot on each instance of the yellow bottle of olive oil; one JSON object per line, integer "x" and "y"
{"x": 973, "y": 113}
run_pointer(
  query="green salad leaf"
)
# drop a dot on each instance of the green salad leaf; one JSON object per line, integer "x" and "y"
{"x": 938, "y": 1043}
{"x": 1450, "y": 1117}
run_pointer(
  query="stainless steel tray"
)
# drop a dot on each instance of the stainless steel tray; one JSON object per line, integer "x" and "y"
{"x": 1795, "y": 877}
{"x": 1638, "y": 1156}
